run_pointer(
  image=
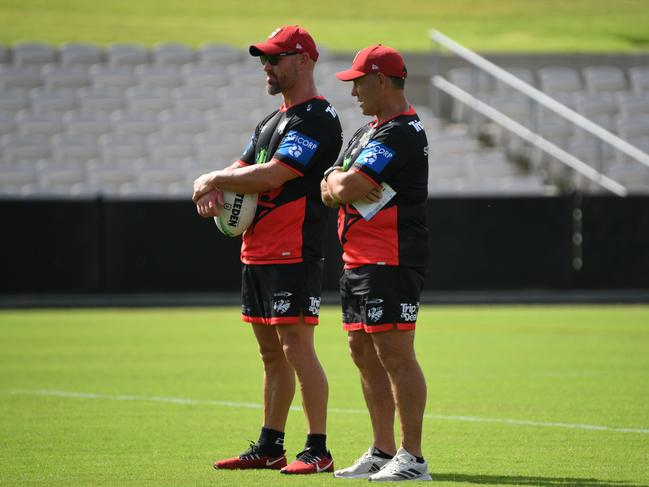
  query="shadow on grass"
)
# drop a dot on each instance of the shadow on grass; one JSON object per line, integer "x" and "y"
{"x": 530, "y": 481}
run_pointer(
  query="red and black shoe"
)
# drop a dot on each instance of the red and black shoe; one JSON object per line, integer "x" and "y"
{"x": 253, "y": 457}
{"x": 310, "y": 461}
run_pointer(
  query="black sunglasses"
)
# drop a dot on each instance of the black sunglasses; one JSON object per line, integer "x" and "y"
{"x": 273, "y": 59}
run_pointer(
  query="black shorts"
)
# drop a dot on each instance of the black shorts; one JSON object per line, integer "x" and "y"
{"x": 381, "y": 298}
{"x": 276, "y": 294}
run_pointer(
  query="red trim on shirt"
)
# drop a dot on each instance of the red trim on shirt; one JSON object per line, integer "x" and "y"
{"x": 366, "y": 176}
{"x": 287, "y": 166}
{"x": 409, "y": 111}
{"x": 284, "y": 108}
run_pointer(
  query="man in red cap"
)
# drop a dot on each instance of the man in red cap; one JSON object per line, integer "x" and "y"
{"x": 282, "y": 249}
{"x": 379, "y": 184}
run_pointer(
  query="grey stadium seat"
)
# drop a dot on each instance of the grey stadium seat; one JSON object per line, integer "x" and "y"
{"x": 117, "y": 147}
{"x": 218, "y": 54}
{"x": 603, "y": 79}
{"x": 633, "y": 104}
{"x": 68, "y": 148}
{"x": 639, "y": 77}
{"x": 99, "y": 100}
{"x": 554, "y": 80}
{"x": 17, "y": 148}
{"x": 76, "y": 53}
{"x": 119, "y": 54}
{"x": 172, "y": 53}
{"x": 139, "y": 123}
{"x": 43, "y": 124}
{"x": 25, "y": 77}
{"x": 33, "y": 53}
{"x": 151, "y": 100}
{"x": 195, "y": 99}
{"x": 204, "y": 76}
{"x": 52, "y": 101}
{"x": 13, "y": 100}
{"x": 112, "y": 77}
{"x": 87, "y": 123}
{"x": 7, "y": 124}
{"x": 65, "y": 77}
{"x": 174, "y": 123}
{"x": 166, "y": 76}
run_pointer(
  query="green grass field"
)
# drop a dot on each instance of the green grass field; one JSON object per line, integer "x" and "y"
{"x": 518, "y": 396}
{"x": 494, "y": 25}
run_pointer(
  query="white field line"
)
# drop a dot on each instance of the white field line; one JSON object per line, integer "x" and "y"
{"x": 248, "y": 405}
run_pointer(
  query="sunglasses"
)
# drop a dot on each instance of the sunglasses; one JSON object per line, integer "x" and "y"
{"x": 273, "y": 59}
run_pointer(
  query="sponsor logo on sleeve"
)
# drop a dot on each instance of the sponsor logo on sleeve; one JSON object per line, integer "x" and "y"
{"x": 298, "y": 147}
{"x": 376, "y": 156}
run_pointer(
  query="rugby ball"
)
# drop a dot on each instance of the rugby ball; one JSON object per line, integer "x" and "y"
{"x": 236, "y": 214}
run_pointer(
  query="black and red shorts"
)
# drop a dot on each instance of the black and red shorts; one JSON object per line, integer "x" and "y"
{"x": 381, "y": 298}
{"x": 277, "y": 294}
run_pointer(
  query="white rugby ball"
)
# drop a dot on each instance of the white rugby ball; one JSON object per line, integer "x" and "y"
{"x": 236, "y": 214}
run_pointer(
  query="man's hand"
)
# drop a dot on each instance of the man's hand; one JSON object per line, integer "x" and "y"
{"x": 208, "y": 205}
{"x": 326, "y": 197}
{"x": 202, "y": 186}
{"x": 374, "y": 195}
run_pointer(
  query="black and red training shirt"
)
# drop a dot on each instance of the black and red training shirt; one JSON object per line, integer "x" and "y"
{"x": 289, "y": 223}
{"x": 394, "y": 152}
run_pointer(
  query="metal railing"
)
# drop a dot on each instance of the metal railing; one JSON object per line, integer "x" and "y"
{"x": 544, "y": 100}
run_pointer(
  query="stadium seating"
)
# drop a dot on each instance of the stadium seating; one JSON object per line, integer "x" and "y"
{"x": 123, "y": 120}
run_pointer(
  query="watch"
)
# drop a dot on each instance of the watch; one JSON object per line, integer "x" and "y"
{"x": 329, "y": 171}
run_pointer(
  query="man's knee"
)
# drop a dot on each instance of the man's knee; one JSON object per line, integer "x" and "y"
{"x": 361, "y": 349}
{"x": 297, "y": 346}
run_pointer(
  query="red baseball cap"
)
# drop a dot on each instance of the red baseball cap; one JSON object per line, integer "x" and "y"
{"x": 289, "y": 38}
{"x": 375, "y": 59}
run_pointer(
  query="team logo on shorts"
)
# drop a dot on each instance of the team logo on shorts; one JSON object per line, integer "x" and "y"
{"x": 281, "y": 306}
{"x": 409, "y": 312}
{"x": 314, "y": 307}
{"x": 374, "y": 314}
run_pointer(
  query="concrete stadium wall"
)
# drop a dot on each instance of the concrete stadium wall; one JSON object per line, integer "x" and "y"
{"x": 103, "y": 246}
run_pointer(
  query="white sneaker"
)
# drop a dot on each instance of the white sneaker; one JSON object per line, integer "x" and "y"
{"x": 403, "y": 466}
{"x": 365, "y": 466}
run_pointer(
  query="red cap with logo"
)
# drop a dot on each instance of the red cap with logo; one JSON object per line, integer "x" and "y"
{"x": 375, "y": 59}
{"x": 289, "y": 38}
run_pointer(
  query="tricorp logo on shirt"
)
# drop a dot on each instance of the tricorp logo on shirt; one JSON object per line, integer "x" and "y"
{"x": 376, "y": 156}
{"x": 298, "y": 146}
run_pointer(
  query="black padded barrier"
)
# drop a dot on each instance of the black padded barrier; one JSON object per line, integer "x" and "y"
{"x": 481, "y": 243}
